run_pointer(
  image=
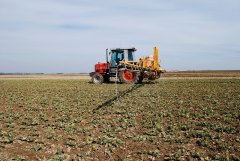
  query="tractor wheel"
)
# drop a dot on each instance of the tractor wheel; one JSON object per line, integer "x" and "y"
{"x": 106, "y": 78}
{"x": 127, "y": 76}
{"x": 151, "y": 76}
{"x": 139, "y": 79}
{"x": 97, "y": 79}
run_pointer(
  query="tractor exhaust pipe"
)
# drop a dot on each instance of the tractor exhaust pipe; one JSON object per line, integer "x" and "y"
{"x": 107, "y": 55}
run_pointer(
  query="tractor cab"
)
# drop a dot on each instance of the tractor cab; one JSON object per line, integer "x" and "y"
{"x": 117, "y": 55}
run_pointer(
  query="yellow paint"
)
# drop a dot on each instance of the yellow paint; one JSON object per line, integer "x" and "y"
{"x": 155, "y": 59}
{"x": 142, "y": 64}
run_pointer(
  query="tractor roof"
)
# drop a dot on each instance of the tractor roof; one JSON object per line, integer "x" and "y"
{"x": 116, "y": 49}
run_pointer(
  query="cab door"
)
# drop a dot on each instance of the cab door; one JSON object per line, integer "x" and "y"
{"x": 116, "y": 57}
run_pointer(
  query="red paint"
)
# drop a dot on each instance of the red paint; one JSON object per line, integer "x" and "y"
{"x": 128, "y": 75}
{"x": 101, "y": 68}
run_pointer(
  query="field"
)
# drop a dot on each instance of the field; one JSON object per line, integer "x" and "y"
{"x": 168, "y": 119}
{"x": 204, "y": 73}
{"x": 178, "y": 74}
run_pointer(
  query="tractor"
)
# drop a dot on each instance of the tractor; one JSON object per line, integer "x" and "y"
{"x": 120, "y": 64}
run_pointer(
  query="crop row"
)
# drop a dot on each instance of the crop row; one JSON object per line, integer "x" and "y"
{"x": 165, "y": 119}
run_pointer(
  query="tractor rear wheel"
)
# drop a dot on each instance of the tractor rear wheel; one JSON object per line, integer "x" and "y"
{"x": 97, "y": 78}
{"x": 127, "y": 76}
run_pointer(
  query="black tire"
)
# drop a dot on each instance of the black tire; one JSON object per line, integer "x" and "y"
{"x": 151, "y": 77}
{"x": 139, "y": 79}
{"x": 97, "y": 79}
{"x": 91, "y": 74}
{"x": 106, "y": 78}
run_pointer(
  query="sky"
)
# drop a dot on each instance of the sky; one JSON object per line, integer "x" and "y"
{"x": 70, "y": 36}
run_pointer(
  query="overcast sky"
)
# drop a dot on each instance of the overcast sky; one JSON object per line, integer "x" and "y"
{"x": 70, "y": 36}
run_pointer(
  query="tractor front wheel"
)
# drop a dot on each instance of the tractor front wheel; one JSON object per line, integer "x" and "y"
{"x": 97, "y": 79}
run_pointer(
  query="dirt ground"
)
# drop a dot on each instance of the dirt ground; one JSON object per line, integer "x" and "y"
{"x": 46, "y": 76}
{"x": 169, "y": 119}
{"x": 232, "y": 74}
{"x": 167, "y": 75}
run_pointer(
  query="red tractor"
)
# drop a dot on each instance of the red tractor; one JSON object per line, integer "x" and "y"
{"x": 123, "y": 66}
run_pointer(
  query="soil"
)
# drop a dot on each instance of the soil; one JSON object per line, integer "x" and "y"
{"x": 167, "y": 75}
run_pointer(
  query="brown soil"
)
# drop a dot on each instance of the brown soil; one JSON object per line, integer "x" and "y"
{"x": 181, "y": 74}
{"x": 203, "y": 74}
{"x": 46, "y": 76}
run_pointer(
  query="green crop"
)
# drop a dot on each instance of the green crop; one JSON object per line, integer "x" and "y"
{"x": 180, "y": 119}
